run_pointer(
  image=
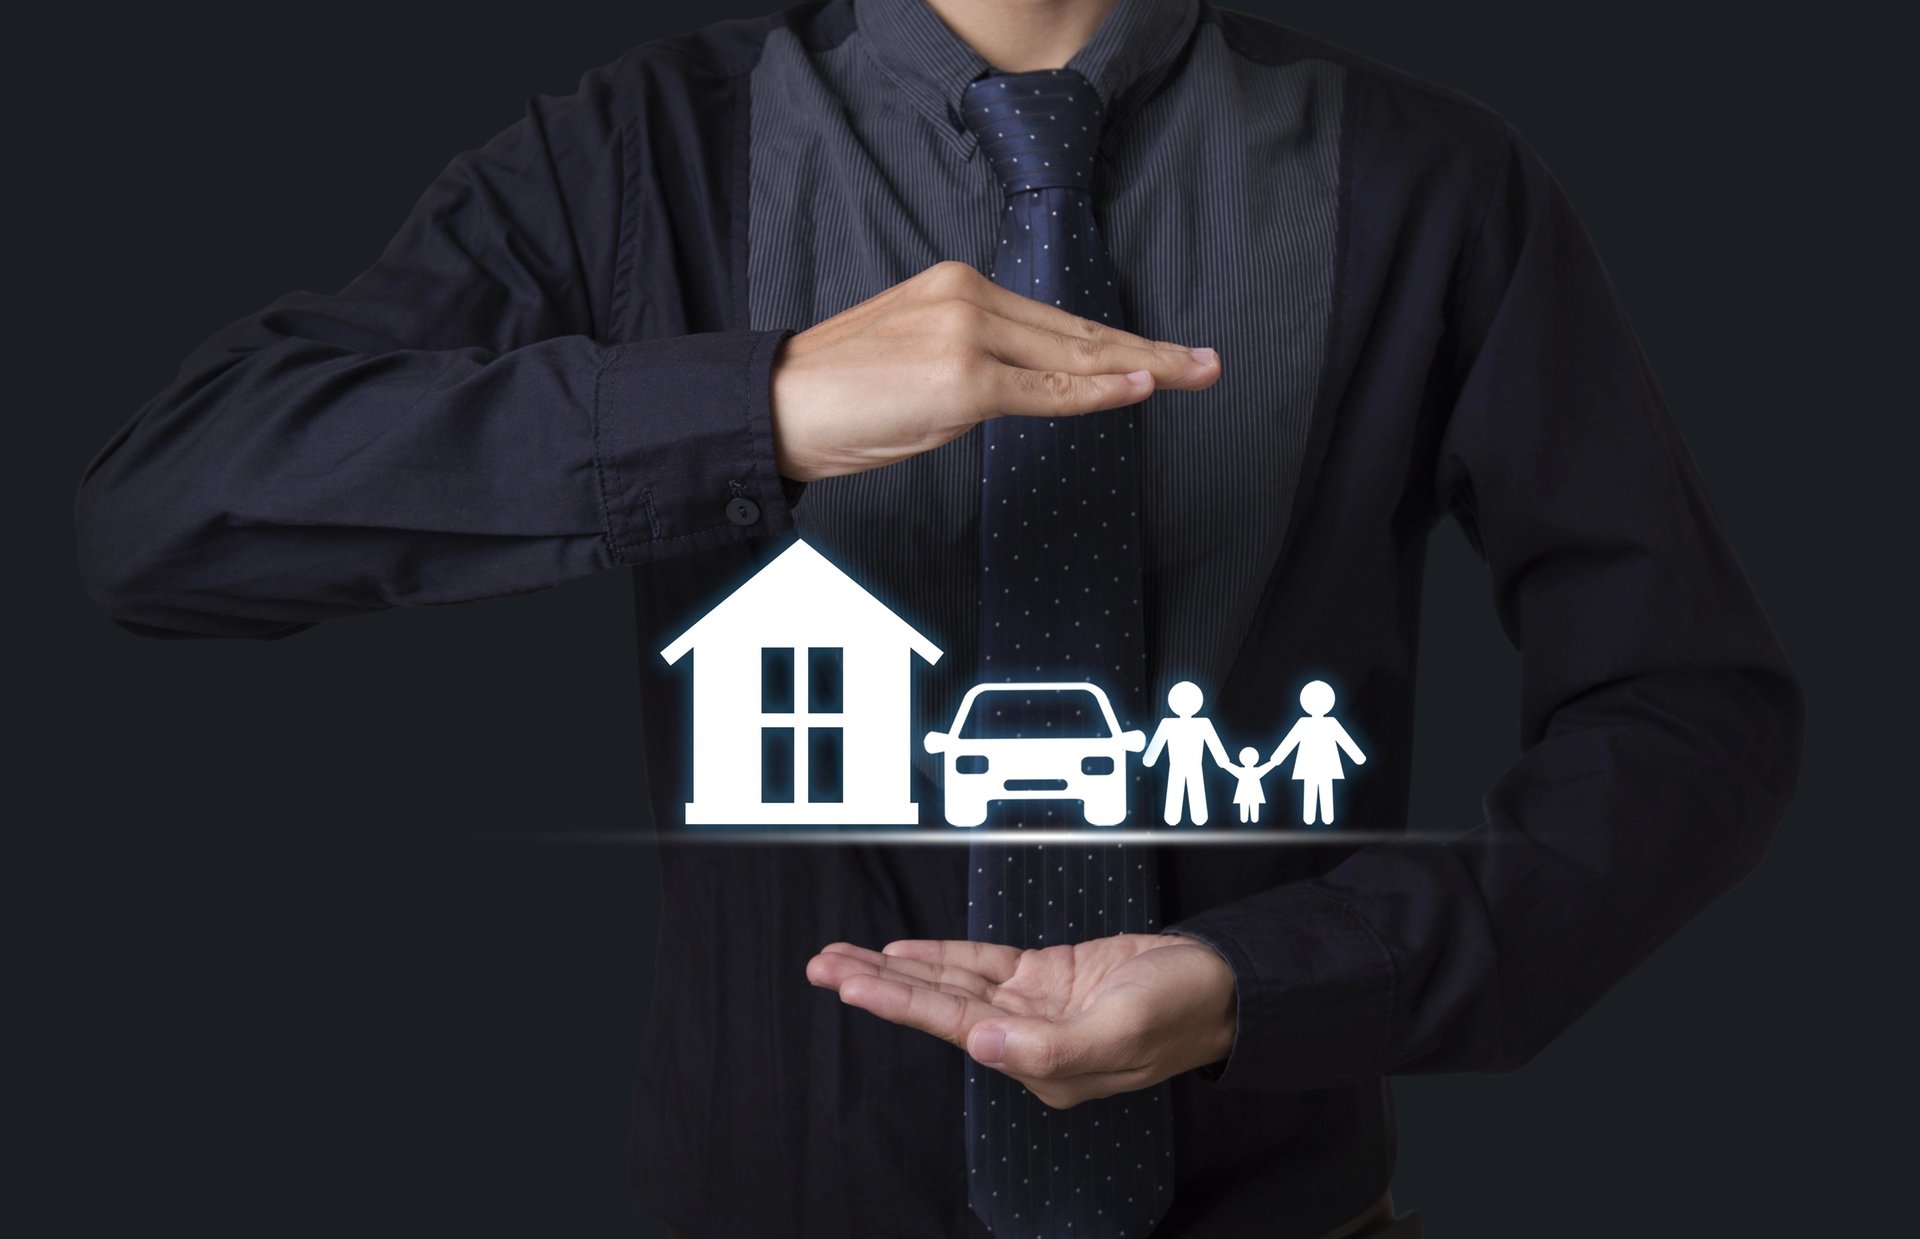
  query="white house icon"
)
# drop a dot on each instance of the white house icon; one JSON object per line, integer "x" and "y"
{"x": 802, "y": 701}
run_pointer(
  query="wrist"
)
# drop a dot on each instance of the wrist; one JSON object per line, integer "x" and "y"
{"x": 1218, "y": 1001}
{"x": 780, "y": 400}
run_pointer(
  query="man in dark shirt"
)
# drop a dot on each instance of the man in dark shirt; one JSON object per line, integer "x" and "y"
{"x": 731, "y": 289}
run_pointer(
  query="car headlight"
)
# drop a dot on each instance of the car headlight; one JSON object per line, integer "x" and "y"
{"x": 970, "y": 763}
{"x": 1096, "y": 765}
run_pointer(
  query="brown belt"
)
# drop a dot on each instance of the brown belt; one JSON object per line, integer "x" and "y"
{"x": 1378, "y": 1222}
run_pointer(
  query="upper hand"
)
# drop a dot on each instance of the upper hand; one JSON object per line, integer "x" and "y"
{"x": 923, "y": 362}
{"x": 1070, "y": 1022}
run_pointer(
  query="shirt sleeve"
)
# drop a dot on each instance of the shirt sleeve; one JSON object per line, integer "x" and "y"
{"x": 1661, "y": 723}
{"x": 453, "y": 425}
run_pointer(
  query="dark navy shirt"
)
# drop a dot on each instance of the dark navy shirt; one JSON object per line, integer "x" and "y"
{"x": 560, "y": 366}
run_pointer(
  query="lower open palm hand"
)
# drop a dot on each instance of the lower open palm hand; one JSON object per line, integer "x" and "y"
{"x": 1070, "y": 1022}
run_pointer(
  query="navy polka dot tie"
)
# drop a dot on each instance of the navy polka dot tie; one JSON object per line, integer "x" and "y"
{"x": 1060, "y": 605}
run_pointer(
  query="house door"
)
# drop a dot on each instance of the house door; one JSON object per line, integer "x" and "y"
{"x": 802, "y": 728}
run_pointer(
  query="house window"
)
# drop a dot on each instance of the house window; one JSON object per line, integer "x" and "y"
{"x": 802, "y": 750}
{"x": 776, "y": 681}
{"x": 826, "y": 763}
{"x": 823, "y": 680}
{"x": 776, "y": 765}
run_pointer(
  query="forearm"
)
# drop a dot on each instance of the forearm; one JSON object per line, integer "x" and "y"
{"x": 292, "y": 475}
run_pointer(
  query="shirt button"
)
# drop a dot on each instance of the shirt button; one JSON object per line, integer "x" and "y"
{"x": 743, "y": 511}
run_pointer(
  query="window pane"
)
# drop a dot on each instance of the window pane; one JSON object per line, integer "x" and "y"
{"x": 776, "y": 681}
{"x": 823, "y": 681}
{"x": 776, "y": 765}
{"x": 825, "y": 763}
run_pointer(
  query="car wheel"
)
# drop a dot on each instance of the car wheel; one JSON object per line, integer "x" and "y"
{"x": 1106, "y": 810}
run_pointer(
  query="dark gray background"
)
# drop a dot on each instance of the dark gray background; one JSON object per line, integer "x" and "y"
{"x": 291, "y": 968}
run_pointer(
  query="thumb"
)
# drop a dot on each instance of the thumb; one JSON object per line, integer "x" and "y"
{"x": 1044, "y": 1050}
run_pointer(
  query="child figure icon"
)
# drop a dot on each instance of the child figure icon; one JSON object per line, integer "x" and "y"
{"x": 1319, "y": 740}
{"x": 1246, "y": 787}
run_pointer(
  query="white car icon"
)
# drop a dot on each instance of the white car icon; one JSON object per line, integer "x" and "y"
{"x": 1069, "y": 746}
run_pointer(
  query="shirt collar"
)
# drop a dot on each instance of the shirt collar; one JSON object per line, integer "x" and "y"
{"x": 1136, "y": 43}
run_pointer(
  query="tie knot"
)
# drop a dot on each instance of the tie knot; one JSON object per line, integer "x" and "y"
{"x": 1038, "y": 129}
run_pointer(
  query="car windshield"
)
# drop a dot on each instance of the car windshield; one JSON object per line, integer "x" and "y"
{"x": 1004, "y": 713}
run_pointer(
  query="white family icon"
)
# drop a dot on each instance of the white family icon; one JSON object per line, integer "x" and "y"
{"x": 1315, "y": 742}
{"x": 803, "y": 691}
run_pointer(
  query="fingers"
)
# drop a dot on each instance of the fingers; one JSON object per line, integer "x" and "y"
{"x": 939, "y": 1011}
{"x": 962, "y": 282}
{"x": 1046, "y": 348}
{"x": 992, "y": 960}
{"x": 1057, "y": 393}
{"x": 842, "y": 960}
{"x": 1078, "y": 346}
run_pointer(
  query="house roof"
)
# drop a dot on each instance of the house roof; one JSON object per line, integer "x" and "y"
{"x": 800, "y": 589}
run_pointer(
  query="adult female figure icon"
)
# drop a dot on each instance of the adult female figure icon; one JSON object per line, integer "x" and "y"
{"x": 1319, "y": 740}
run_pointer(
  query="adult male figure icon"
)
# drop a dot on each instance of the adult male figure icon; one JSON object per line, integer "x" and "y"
{"x": 1184, "y": 737}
